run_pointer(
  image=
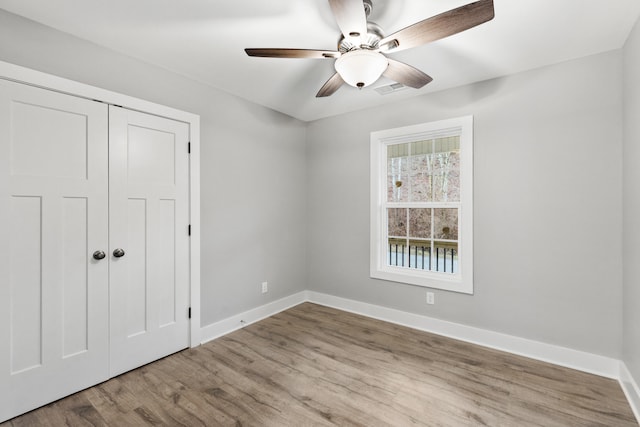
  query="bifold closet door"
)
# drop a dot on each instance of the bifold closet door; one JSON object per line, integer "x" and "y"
{"x": 54, "y": 325}
{"x": 149, "y": 241}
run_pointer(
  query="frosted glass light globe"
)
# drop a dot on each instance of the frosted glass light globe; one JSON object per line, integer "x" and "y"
{"x": 360, "y": 68}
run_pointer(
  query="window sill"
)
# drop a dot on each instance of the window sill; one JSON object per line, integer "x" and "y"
{"x": 447, "y": 282}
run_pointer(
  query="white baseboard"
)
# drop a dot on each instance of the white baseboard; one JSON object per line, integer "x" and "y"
{"x": 631, "y": 390}
{"x": 230, "y": 324}
{"x": 574, "y": 359}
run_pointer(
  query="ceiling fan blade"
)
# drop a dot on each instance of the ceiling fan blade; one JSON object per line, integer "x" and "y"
{"x": 350, "y": 16}
{"x": 293, "y": 53}
{"x": 331, "y": 86}
{"x": 406, "y": 74}
{"x": 439, "y": 26}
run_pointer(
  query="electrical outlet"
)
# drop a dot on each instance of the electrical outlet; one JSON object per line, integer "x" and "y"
{"x": 431, "y": 299}
{"x": 265, "y": 287}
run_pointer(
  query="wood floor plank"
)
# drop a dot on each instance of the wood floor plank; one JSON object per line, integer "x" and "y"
{"x": 317, "y": 366}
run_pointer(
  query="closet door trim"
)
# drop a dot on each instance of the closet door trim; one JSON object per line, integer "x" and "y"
{"x": 35, "y": 78}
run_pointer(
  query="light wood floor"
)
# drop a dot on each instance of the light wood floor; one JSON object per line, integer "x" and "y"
{"x": 316, "y": 366}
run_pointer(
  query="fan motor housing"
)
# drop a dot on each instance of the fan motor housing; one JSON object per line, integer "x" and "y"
{"x": 369, "y": 41}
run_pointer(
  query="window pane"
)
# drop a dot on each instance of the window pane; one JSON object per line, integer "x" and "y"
{"x": 420, "y": 171}
{"x": 445, "y": 224}
{"x": 420, "y": 223}
{"x": 398, "y": 173}
{"x": 446, "y": 169}
{"x": 420, "y": 254}
{"x": 451, "y": 187}
{"x": 397, "y": 222}
{"x": 397, "y": 252}
{"x": 445, "y": 257}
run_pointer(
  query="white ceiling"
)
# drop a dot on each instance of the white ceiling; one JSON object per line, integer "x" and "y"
{"x": 204, "y": 40}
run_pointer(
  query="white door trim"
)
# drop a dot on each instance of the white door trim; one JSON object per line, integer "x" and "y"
{"x": 47, "y": 81}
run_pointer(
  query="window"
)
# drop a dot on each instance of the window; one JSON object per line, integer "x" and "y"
{"x": 421, "y": 205}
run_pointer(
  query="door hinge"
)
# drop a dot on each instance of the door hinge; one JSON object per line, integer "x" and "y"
{"x": 189, "y": 312}
{"x": 189, "y": 148}
{"x": 189, "y": 229}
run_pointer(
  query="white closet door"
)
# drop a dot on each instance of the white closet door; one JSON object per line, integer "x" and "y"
{"x": 54, "y": 336}
{"x": 149, "y": 211}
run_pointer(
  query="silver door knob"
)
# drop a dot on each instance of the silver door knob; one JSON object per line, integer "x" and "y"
{"x": 98, "y": 255}
{"x": 118, "y": 253}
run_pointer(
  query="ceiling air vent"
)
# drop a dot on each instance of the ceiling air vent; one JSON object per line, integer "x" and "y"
{"x": 394, "y": 87}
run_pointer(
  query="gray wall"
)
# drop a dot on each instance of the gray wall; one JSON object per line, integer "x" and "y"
{"x": 548, "y": 204}
{"x": 253, "y": 176}
{"x": 631, "y": 213}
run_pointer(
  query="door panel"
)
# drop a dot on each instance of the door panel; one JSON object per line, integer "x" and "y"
{"x": 167, "y": 285}
{"x": 64, "y": 132}
{"x": 136, "y": 253}
{"x": 75, "y": 257}
{"x": 26, "y": 284}
{"x": 54, "y": 325}
{"x": 142, "y": 167}
{"x": 149, "y": 211}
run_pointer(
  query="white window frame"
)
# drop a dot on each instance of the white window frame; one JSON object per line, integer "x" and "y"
{"x": 461, "y": 281}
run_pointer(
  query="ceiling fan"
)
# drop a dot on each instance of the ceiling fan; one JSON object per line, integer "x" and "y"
{"x": 360, "y": 59}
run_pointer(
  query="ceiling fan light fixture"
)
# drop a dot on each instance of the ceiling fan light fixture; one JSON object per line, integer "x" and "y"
{"x": 360, "y": 59}
{"x": 360, "y": 68}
